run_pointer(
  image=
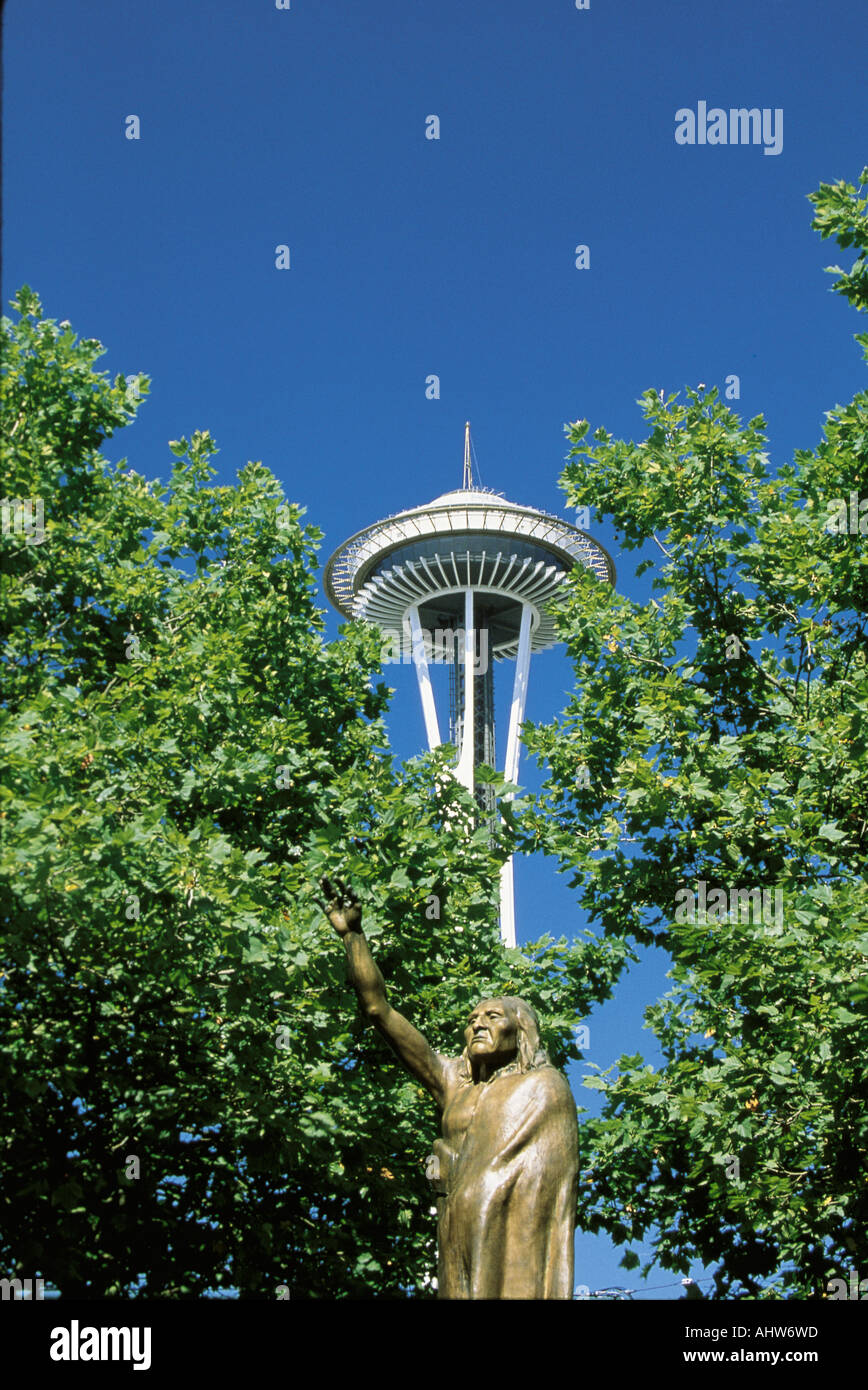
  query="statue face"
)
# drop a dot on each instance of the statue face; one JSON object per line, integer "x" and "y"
{"x": 492, "y": 1032}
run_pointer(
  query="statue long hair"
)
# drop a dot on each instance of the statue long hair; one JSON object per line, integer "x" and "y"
{"x": 530, "y": 1053}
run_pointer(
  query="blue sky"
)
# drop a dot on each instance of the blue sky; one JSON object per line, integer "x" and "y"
{"x": 410, "y": 257}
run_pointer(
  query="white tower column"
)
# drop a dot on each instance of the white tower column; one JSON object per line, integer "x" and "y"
{"x": 519, "y": 695}
{"x": 423, "y": 675}
{"x": 516, "y": 719}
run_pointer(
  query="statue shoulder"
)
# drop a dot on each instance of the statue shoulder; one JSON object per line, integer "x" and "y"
{"x": 453, "y": 1072}
{"x": 552, "y": 1086}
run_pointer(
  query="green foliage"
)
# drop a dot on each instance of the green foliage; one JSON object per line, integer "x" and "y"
{"x": 841, "y": 213}
{"x": 724, "y": 728}
{"x": 183, "y": 756}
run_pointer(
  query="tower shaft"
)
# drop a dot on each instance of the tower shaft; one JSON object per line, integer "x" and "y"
{"x": 481, "y": 674}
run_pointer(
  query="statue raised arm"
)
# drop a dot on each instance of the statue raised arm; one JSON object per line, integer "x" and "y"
{"x": 415, "y": 1052}
{"x": 506, "y": 1167}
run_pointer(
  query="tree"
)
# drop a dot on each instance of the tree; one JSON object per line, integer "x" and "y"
{"x": 189, "y": 1100}
{"x": 723, "y": 816}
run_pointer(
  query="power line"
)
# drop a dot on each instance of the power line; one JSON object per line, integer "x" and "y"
{"x": 615, "y": 1292}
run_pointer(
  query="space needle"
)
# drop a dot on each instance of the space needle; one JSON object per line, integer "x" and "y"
{"x": 465, "y": 579}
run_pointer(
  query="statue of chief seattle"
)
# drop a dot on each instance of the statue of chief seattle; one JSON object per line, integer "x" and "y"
{"x": 505, "y": 1169}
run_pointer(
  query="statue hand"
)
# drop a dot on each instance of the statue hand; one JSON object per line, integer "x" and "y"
{"x": 342, "y": 907}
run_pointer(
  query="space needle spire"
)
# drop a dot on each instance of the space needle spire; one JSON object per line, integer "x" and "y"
{"x": 464, "y": 580}
{"x": 467, "y": 483}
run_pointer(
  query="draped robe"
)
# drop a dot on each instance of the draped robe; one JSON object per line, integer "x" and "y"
{"x": 508, "y": 1171}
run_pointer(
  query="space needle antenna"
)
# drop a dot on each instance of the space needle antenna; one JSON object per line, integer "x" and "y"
{"x": 467, "y": 481}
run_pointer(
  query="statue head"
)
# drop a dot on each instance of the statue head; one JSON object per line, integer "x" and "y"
{"x": 501, "y": 1033}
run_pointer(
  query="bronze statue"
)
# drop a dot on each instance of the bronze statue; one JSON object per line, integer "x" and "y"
{"x": 505, "y": 1170}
